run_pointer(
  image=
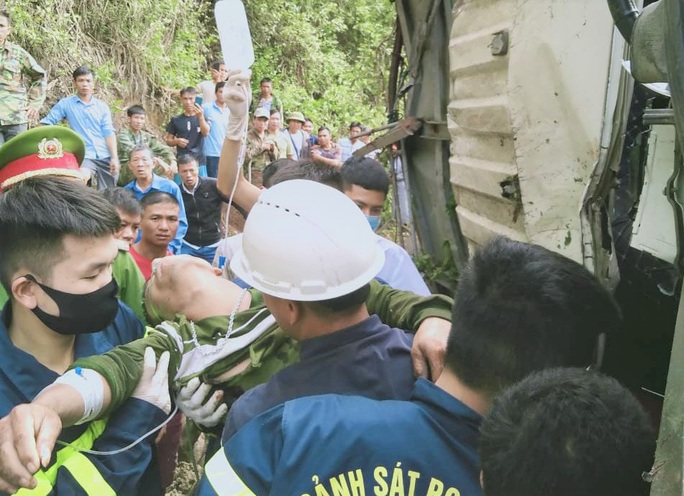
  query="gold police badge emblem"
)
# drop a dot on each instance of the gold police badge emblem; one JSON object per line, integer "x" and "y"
{"x": 50, "y": 148}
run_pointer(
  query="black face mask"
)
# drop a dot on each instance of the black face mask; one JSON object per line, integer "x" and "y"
{"x": 80, "y": 313}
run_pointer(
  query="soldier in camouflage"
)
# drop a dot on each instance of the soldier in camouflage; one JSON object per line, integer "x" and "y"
{"x": 262, "y": 149}
{"x": 134, "y": 134}
{"x": 22, "y": 84}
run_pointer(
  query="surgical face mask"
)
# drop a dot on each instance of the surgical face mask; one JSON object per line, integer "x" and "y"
{"x": 80, "y": 313}
{"x": 374, "y": 221}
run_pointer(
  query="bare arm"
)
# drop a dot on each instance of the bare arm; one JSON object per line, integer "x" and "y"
{"x": 205, "y": 127}
{"x": 28, "y": 434}
{"x": 111, "y": 146}
{"x": 114, "y": 165}
{"x": 67, "y": 402}
{"x": 230, "y": 173}
{"x": 331, "y": 162}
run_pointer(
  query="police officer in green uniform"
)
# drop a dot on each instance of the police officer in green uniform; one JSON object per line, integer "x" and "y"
{"x": 56, "y": 261}
{"x": 58, "y": 151}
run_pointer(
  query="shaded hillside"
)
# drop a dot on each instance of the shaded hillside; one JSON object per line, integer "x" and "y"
{"x": 328, "y": 59}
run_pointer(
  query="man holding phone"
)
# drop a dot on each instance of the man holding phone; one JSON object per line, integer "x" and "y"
{"x": 186, "y": 131}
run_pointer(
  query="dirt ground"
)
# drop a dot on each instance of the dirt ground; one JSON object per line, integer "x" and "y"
{"x": 184, "y": 480}
{"x": 187, "y": 473}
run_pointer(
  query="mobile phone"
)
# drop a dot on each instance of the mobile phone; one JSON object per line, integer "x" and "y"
{"x": 198, "y": 100}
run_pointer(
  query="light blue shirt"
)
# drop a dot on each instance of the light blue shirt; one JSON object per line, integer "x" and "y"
{"x": 167, "y": 186}
{"x": 92, "y": 121}
{"x": 345, "y": 145}
{"x": 218, "y": 120}
{"x": 399, "y": 270}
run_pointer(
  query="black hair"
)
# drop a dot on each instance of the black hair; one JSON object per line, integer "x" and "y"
{"x": 6, "y": 14}
{"x": 342, "y": 304}
{"x": 306, "y": 119}
{"x": 271, "y": 169}
{"x": 365, "y": 172}
{"x": 187, "y": 158}
{"x": 219, "y": 85}
{"x": 35, "y": 216}
{"x": 155, "y": 197}
{"x": 188, "y": 90}
{"x": 274, "y": 111}
{"x": 217, "y": 65}
{"x": 355, "y": 124}
{"x": 565, "y": 432}
{"x": 123, "y": 199}
{"x": 84, "y": 70}
{"x": 324, "y": 128}
{"x": 265, "y": 80}
{"x": 308, "y": 169}
{"x": 135, "y": 110}
{"x": 520, "y": 308}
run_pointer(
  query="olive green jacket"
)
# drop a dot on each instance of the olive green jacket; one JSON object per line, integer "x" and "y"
{"x": 201, "y": 349}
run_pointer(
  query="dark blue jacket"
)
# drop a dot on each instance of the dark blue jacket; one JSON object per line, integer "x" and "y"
{"x": 351, "y": 445}
{"x": 22, "y": 377}
{"x": 368, "y": 359}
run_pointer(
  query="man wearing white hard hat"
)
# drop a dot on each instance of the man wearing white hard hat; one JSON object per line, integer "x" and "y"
{"x": 311, "y": 252}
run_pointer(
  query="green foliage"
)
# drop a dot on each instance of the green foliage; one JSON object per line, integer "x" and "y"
{"x": 442, "y": 274}
{"x": 327, "y": 59}
{"x": 135, "y": 47}
{"x": 337, "y": 51}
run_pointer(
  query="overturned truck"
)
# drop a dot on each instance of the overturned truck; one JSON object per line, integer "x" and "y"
{"x": 559, "y": 123}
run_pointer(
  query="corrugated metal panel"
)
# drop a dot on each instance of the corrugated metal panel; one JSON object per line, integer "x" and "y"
{"x": 526, "y": 122}
{"x": 483, "y": 158}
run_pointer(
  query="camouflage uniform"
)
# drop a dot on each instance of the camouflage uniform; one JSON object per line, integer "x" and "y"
{"x": 126, "y": 140}
{"x": 256, "y": 158}
{"x": 22, "y": 84}
{"x": 202, "y": 349}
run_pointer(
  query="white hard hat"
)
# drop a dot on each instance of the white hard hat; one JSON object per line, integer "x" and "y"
{"x": 306, "y": 241}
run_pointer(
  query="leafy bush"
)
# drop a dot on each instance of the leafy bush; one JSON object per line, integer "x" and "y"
{"x": 135, "y": 47}
{"x": 327, "y": 59}
{"x": 337, "y": 51}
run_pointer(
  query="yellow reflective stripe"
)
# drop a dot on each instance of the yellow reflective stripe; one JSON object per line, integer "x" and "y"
{"x": 47, "y": 478}
{"x": 43, "y": 487}
{"x": 223, "y": 478}
{"x": 88, "y": 476}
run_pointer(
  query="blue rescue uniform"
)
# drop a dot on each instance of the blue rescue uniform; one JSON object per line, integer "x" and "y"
{"x": 368, "y": 359}
{"x": 22, "y": 377}
{"x": 325, "y": 445}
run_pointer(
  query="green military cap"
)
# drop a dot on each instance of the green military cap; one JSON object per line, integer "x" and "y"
{"x": 295, "y": 116}
{"x": 261, "y": 112}
{"x": 42, "y": 151}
